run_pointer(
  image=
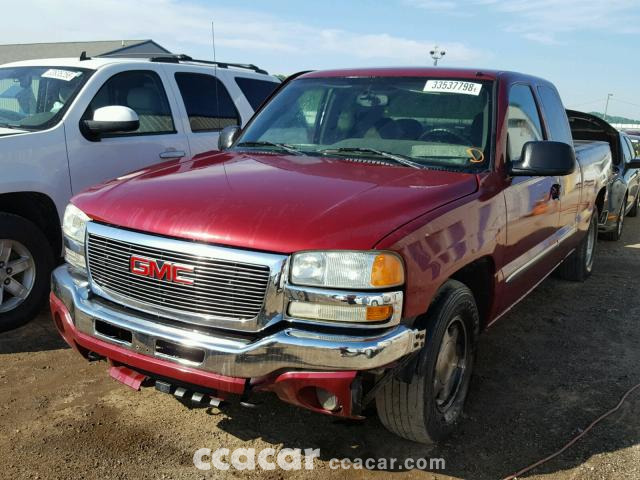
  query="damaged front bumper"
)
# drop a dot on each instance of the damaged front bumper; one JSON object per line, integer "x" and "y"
{"x": 289, "y": 361}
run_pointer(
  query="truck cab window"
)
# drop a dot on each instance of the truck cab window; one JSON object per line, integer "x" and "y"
{"x": 555, "y": 115}
{"x": 523, "y": 120}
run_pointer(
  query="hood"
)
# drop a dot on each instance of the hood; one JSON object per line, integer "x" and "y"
{"x": 273, "y": 203}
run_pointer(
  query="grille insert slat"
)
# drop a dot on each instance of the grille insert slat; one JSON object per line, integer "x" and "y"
{"x": 221, "y": 288}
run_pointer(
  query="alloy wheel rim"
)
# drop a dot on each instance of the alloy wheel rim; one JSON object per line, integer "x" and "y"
{"x": 17, "y": 274}
{"x": 451, "y": 364}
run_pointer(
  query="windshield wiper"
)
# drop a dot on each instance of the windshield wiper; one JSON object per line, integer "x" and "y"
{"x": 282, "y": 146}
{"x": 401, "y": 159}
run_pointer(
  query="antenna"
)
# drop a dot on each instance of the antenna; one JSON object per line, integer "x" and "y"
{"x": 215, "y": 67}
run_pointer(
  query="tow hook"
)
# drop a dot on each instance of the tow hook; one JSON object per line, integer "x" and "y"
{"x": 244, "y": 399}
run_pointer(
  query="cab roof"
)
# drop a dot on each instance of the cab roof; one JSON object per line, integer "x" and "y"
{"x": 432, "y": 72}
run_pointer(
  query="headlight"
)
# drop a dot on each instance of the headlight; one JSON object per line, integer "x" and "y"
{"x": 74, "y": 227}
{"x": 347, "y": 269}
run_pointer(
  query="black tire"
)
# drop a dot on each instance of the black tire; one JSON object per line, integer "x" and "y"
{"x": 414, "y": 410}
{"x": 578, "y": 266}
{"x": 634, "y": 210}
{"x": 17, "y": 229}
{"x": 615, "y": 234}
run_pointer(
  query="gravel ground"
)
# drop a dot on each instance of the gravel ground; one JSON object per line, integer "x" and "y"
{"x": 561, "y": 358}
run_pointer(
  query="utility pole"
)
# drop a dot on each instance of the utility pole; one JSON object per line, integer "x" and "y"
{"x": 437, "y": 53}
{"x": 606, "y": 107}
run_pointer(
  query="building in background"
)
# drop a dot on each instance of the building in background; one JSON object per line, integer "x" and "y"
{"x": 30, "y": 51}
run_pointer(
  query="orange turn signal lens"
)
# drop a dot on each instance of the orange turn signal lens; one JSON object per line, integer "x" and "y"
{"x": 387, "y": 271}
{"x": 378, "y": 314}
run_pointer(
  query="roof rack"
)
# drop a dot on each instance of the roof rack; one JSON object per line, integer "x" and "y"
{"x": 177, "y": 58}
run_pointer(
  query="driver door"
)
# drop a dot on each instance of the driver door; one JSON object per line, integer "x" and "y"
{"x": 532, "y": 203}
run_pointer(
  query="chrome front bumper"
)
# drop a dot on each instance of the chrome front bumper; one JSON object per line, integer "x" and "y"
{"x": 287, "y": 349}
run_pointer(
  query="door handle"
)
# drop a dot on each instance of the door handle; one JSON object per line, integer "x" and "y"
{"x": 555, "y": 191}
{"x": 167, "y": 154}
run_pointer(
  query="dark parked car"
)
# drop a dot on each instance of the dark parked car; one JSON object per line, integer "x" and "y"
{"x": 624, "y": 192}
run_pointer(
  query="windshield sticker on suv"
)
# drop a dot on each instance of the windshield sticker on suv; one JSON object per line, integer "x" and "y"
{"x": 453, "y": 86}
{"x": 56, "y": 74}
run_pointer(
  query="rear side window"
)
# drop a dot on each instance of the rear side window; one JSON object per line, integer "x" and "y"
{"x": 141, "y": 91}
{"x": 523, "y": 121}
{"x": 256, "y": 91}
{"x": 208, "y": 103}
{"x": 555, "y": 115}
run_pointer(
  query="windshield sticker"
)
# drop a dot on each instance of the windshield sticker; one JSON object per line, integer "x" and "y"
{"x": 476, "y": 155}
{"x": 56, "y": 74}
{"x": 453, "y": 86}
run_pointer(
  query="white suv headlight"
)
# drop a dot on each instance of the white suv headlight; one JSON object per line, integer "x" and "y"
{"x": 74, "y": 227}
{"x": 347, "y": 269}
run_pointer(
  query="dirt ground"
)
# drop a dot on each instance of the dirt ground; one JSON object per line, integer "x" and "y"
{"x": 561, "y": 358}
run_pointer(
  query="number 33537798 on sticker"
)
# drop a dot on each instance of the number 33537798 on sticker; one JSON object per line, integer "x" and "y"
{"x": 453, "y": 86}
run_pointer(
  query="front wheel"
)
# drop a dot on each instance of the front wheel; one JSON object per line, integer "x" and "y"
{"x": 26, "y": 261}
{"x": 578, "y": 266}
{"x": 428, "y": 408}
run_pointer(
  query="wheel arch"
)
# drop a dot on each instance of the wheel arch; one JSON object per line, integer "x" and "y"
{"x": 38, "y": 208}
{"x": 479, "y": 277}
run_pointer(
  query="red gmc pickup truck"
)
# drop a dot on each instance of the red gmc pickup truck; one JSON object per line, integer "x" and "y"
{"x": 345, "y": 248}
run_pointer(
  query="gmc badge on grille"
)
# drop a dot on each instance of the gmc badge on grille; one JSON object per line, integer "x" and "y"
{"x": 159, "y": 269}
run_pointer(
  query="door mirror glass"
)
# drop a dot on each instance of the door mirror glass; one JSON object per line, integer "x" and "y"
{"x": 115, "y": 118}
{"x": 228, "y": 135}
{"x": 544, "y": 159}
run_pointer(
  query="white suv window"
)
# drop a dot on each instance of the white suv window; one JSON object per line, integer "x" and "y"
{"x": 141, "y": 91}
{"x": 208, "y": 103}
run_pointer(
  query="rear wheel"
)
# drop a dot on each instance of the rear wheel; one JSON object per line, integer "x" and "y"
{"x": 428, "y": 408}
{"x": 578, "y": 266}
{"x": 26, "y": 261}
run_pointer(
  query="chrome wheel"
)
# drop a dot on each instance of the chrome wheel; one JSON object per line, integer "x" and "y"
{"x": 451, "y": 364}
{"x": 17, "y": 274}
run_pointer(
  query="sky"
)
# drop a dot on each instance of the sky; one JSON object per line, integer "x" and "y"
{"x": 588, "y": 48}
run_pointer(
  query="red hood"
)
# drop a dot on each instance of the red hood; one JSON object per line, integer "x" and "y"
{"x": 273, "y": 203}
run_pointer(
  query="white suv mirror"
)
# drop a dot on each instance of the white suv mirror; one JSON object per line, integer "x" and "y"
{"x": 115, "y": 118}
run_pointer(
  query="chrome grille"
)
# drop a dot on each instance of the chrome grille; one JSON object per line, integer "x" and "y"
{"x": 220, "y": 288}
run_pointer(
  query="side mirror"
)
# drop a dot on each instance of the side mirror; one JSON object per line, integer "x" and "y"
{"x": 634, "y": 163}
{"x": 115, "y": 118}
{"x": 544, "y": 159}
{"x": 228, "y": 135}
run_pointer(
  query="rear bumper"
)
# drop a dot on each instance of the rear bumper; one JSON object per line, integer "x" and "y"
{"x": 214, "y": 361}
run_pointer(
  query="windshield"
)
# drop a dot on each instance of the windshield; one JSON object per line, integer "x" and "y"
{"x": 429, "y": 122}
{"x": 34, "y": 98}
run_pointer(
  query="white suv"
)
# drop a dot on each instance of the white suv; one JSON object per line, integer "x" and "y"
{"x": 67, "y": 124}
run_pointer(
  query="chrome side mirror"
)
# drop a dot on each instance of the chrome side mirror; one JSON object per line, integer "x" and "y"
{"x": 228, "y": 135}
{"x": 114, "y": 118}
